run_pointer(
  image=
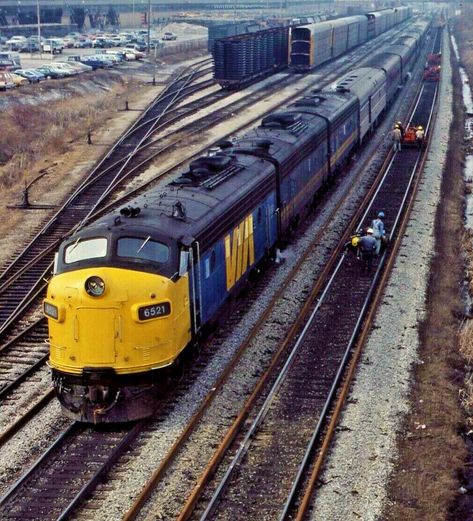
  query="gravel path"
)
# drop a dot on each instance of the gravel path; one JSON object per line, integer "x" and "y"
{"x": 354, "y": 483}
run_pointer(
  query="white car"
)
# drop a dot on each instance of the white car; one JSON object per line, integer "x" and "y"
{"x": 17, "y": 40}
{"x": 53, "y": 45}
{"x": 69, "y": 69}
{"x": 135, "y": 53}
{"x": 169, "y": 36}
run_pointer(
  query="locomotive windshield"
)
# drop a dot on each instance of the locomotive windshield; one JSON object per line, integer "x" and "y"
{"x": 86, "y": 249}
{"x": 144, "y": 249}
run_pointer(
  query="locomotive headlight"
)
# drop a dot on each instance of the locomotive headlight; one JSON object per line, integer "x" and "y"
{"x": 55, "y": 311}
{"x": 95, "y": 286}
{"x": 50, "y": 310}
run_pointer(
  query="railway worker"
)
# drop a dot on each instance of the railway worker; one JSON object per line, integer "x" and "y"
{"x": 396, "y": 137}
{"x": 420, "y": 136}
{"x": 379, "y": 233}
{"x": 353, "y": 244}
{"x": 367, "y": 246}
{"x": 401, "y": 128}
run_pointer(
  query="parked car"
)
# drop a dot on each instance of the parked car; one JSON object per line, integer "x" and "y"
{"x": 138, "y": 55}
{"x": 96, "y": 62}
{"x": 7, "y": 65}
{"x": 12, "y": 56}
{"x": 102, "y": 42}
{"x": 18, "y": 80}
{"x": 79, "y": 66}
{"x": 141, "y": 45}
{"x": 32, "y": 75}
{"x": 107, "y": 61}
{"x": 6, "y": 81}
{"x": 83, "y": 43}
{"x": 67, "y": 68}
{"x": 50, "y": 72}
{"x": 169, "y": 36}
{"x": 16, "y": 42}
{"x": 114, "y": 56}
{"x": 53, "y": 46}
{"x": 68, "y": 42}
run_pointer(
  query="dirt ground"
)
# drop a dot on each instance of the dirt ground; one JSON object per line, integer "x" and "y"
{"x": 73, "y": 159}
{"x": 427, "y": 479}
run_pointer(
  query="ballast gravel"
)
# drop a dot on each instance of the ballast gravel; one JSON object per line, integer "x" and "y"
{"x": 110, "y": 501}
{"x": 128, "y": 477}
{"x": 354, "y": 482}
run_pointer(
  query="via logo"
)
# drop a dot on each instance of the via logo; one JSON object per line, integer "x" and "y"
{"x": 239, "y": 251}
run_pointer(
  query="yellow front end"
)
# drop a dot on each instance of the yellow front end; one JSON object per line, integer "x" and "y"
{"x": 141, "y": 321}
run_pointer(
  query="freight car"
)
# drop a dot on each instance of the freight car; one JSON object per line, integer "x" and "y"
{"x": 133, "y": 289}
{"x": 243, "y": 58}
{"x": 314, "y": 44}
{"x": 247, "y": 57}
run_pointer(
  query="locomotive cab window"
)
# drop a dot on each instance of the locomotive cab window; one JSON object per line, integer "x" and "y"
{"x": 86, "y": 249}
{"x": 143, "y": 249}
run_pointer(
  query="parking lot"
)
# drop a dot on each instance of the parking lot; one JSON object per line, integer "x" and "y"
{"x": 77, "y": 53}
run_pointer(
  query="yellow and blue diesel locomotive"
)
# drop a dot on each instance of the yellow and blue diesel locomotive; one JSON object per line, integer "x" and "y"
{"x": 133, "y": 289}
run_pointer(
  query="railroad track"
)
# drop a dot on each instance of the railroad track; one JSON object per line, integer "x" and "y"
{"x": 66, "y": 473}
{"x": 24, "y": 280}
{"x": 44, "y": 258}
{"x": 291, "y": 419}
{"x": 295, "y": 411}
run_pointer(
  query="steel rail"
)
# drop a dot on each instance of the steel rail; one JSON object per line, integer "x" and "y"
{"x": 232, "y": 432}
{"x": 323, "y": 452}
{"x": 10, "y": 431}
{"x": 26, "y": 302}
{"x": 144, "y": 495}
{"x": 135, "y": 127}
{"x": 250, "y": 433}
{"x": 318, "y": 465}
{"x": 70, "y": 436}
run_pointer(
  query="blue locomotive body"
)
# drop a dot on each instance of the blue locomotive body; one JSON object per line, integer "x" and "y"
{"x": 153, "y": 279}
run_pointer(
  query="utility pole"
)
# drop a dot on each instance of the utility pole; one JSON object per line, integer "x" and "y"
{"x": 149, "y": 27}
{"x": 38, "y": 16}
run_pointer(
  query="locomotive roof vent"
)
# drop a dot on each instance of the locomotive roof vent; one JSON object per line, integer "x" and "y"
{"x": 280, "y": 120}
{"x": 263, "y": 144}
{"x": 215, "y": 163}
{"x": 309, "y": 101}
{"x": 130, "y": 211}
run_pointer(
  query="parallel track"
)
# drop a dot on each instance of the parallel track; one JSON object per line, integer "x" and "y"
{"x": 15, "y": 493}
{"x": 296, "y": 389}
{"x": 198, "y": 127}
{"x": 24, "y": 280}
{"x": 64, "y": 475}
{"x": 290, "y": 421}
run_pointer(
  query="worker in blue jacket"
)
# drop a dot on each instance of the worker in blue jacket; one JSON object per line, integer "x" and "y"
{"x": 379, "y": 233}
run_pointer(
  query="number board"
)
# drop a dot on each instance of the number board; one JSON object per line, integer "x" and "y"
{"x": 154, "y": 311}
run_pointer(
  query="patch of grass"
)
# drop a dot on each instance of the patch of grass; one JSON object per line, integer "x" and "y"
{"x": 31, "y": 133}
